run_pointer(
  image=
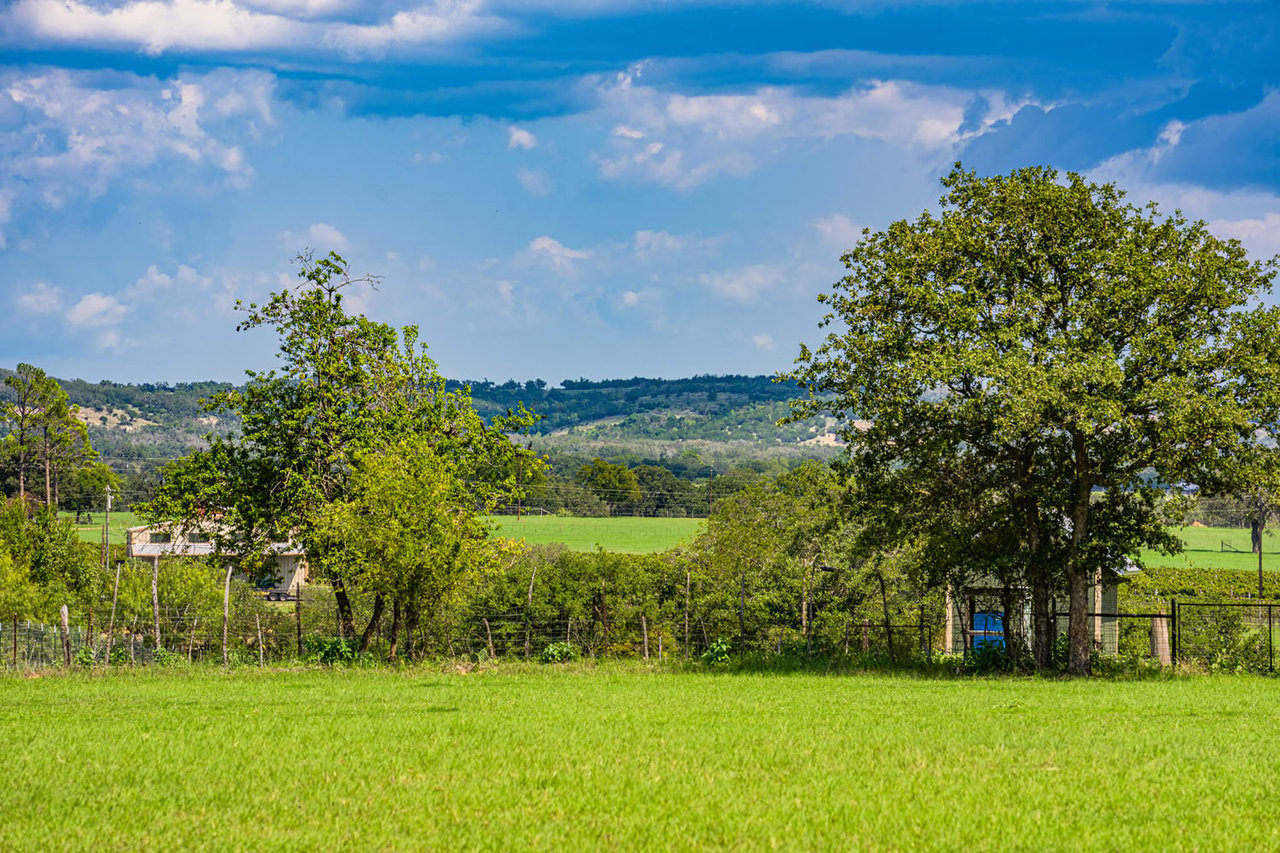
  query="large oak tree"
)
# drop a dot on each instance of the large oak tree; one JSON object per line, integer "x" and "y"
{"x": 1018, "y": 374}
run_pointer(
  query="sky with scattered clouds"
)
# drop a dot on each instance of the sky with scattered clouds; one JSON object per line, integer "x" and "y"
{"x": 577, "y": 188}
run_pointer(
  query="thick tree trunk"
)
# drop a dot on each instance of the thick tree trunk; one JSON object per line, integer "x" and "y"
{"x": 1043, "y": 623}
{"x": 367, "y": 637}
{"x": 1078, "y": 616}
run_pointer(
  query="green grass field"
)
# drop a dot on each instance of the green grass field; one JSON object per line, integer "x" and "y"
{"x": 623, "y": 758}
{"x": 1204, "y": 547}
{"x": 1211, "y": 548}
{"x": 628, "y": 535}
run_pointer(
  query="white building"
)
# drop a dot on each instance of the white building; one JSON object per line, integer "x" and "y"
{"x": 168, "y": 540}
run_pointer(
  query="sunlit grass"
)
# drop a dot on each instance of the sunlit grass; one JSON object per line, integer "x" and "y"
{"x": 626, "y": 759}
{"x": 624, "y": 534}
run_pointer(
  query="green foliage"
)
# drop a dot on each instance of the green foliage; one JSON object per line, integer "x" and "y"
{"x": 717, "y": 653}
{"x": 1023, "y": 361}
{"x": 558, "y": 653}
{"x": 83, "y": 656}
{"x": 330, "y": 650}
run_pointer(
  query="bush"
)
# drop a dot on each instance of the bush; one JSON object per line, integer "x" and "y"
{"x": 330, "y": 650}
{"x": 717, "y": 653}
{"x": 165, "y": 657}
{"x": 83, "y": 657}
{"x": 558, "y": 653}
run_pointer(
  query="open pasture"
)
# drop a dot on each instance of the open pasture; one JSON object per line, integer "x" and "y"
{"x": 631, "y": 535}
{"x": 624, "y": 534}
{"x": 624, "y": 758}
{"x": 1220, "y": 548}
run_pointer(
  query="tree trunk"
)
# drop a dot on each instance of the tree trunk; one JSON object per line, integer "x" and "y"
{"x": 48, "y": 470}
{"x": 226, "y": 614}
{"x": 1078, "y": 620}
{"x": 884, "y": 603}
{"x": 411, "y": 627}
{"x": 346, "y": 619}
{"x": 297, "y": 616}
{"x": 395, "y": 630}
{"x": 367, "y": 637}
{"x": 155, "y": 598}
{"x": 1043, "y": 623}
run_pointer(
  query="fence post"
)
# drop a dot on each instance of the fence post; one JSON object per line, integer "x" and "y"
{"x": 1271, "y": 644}
{"x": 66, "y": 637}
{"x": 1173, "y": 630}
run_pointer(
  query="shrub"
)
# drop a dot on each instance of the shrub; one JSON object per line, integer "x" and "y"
{"x": 558, "y": 653}
{"x": 717, "y": 653}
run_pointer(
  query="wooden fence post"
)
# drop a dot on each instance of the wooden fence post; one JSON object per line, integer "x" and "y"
{"x": 644, "y": 628}
{"x": 66, "y": 636}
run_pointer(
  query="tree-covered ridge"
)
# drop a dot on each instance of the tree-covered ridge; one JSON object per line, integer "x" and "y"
{"x": 158, "y": 419}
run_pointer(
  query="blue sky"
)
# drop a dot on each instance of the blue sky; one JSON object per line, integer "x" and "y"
{"x": 567, "y": 188}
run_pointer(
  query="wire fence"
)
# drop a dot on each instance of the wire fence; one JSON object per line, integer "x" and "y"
{"x": 1235, "y": 636}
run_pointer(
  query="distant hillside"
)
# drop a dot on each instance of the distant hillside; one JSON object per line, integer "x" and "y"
{"x": 740, "y": 413}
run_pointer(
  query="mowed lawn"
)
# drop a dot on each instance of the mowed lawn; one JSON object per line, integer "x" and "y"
{"x": 549, "y": 759}
{"x": 627, "y": 535}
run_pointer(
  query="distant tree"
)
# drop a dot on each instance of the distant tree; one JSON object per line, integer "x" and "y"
{"x": 616, "y": 485}
{"x": 1017, "y": 364}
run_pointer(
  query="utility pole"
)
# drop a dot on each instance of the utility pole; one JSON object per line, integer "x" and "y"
{"x": 106, "y": 533}
{"x": 710, "y": 481}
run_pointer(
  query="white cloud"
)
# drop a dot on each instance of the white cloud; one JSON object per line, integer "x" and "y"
{"x": 745, "y": 284}
{"x": 649, "y": 244}
{"x": 158, "y": 26}
{"x": 763, "y": 341}
{"x": 321, "y": 236}
{"x": 96, "y": 310}
{"x": 838, "y": 230}
{"x": 78, "y": 132}
{"x": 41, "y": 299}
{"x": 681, "y": 141}
{"x": 1260, "y": 236}
{"x": 154, "y": 281}
{"x": 506, "y": 295}
{"x": 518, "y": 137}
{"x": 550, "y": 252}
{"x": 534, "y": 181}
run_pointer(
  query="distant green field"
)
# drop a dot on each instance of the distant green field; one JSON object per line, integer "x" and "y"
{"x": 627, "y": 535}
{"x": 621, "y": 758}
{"x": 1219, "y": 548}
{"x": 1204, "y": 545}
{"x": 120, "y": 522}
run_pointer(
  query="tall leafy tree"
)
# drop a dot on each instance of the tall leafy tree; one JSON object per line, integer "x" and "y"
{"x": 345, "y": 385}
{"x": 1010, "y": 371}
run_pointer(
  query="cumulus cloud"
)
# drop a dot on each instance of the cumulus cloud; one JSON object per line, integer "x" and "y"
{"x": 763, "y": 341}
{"x": 518, "y": 137}
{"x": 154, "y": 281}
{"x": 682, "y": 141}
{"x": 159, "y": 26}
{"x": 1260, "y": 236}
{"x": 96, "y": 310}
{"x": 320, "y": 236}
{"x": 41, "y": 299}
{"x": 745, "y": 284}
{"x": 549, "y": 252}
{"x": 80, "y": 132}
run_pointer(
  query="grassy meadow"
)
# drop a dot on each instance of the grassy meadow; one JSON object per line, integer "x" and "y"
{"x": 628, "y": 535}
{"x": 1204, "y": 545}
{"x": 530, "y": 757}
